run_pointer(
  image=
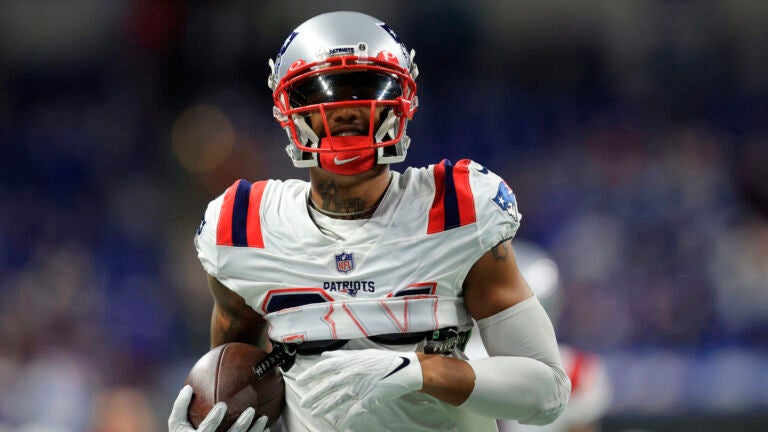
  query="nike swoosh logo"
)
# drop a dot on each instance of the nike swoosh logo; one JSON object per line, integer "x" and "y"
{"x": 338, "y": 161}
{"x": 405, "y": 362}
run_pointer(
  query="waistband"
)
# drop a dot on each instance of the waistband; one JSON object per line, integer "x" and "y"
{"x": 441, "y": 341}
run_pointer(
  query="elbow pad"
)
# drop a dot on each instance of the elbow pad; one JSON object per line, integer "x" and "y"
{"x": 523, "y": 379}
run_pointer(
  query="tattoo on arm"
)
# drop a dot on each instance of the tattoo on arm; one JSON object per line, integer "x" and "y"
{"x": 501, "y": 251}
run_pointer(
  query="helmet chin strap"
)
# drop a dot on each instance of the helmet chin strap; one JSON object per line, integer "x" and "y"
{"x": 351, "y": 162}
{"x": 386, "y": 126}
{"x": 306, "y": 134}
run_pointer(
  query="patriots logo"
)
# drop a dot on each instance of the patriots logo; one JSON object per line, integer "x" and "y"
{"x": 351, "y": 292}
{"x": 505, "y": 200}
{"x": 345, "y": 262}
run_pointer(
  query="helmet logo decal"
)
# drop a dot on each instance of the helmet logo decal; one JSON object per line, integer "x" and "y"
{"x": 387, "y": 56}
{"x": 297, "y": 64}
{"x": 399, "y": 42}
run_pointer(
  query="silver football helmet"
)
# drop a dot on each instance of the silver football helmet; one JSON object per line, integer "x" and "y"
{"x": 342, "y": 60}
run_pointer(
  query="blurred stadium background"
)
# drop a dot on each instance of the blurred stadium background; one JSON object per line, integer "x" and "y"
{"x": 635, "y": 135}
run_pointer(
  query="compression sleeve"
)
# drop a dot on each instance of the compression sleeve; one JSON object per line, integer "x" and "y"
{"x": 523, "y": 379}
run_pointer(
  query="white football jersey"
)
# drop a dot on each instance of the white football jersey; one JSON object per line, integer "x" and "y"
{"x": 399, "y": 272}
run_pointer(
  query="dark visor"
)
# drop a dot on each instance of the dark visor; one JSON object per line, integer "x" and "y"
{"x": 363, "y": 85}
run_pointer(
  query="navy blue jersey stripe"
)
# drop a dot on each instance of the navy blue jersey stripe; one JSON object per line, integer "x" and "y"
{"x": 240, "y": 214}
{"x": 450, "y": 200}
{"x": 288, "y": 300}
{"x": 426, "y": 290}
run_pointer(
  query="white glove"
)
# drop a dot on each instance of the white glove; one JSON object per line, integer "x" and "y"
{"x": 177, "y": 421}
{"x": 346, "y": 384}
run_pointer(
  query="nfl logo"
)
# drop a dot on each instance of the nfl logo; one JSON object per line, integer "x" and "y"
{"x": 344, "y": 262}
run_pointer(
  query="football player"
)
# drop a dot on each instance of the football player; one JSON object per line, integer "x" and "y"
{"x": 364, "y": 282}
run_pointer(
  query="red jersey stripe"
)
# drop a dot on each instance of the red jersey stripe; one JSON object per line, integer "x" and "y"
{"x": 224, "y": 227}
{"x": 437, "y": 212}
{"x": 464, "y": 192}
{"x": 253, "y": 228}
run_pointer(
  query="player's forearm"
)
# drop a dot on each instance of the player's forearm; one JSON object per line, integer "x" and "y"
{"x": 509, "y": 387}
{"x": 518, "y": 388}
{"x": 524, "y": 378}
{"x": 446, "y": 378}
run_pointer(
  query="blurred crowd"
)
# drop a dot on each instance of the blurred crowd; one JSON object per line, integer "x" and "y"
{"x": 633, "y": 134}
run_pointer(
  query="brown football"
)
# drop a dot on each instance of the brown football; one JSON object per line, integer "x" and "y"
{"x": 225, "y": 373}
